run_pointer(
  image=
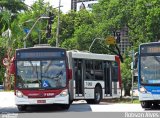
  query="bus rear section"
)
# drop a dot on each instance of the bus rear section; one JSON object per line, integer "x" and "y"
{"x": 94, "y": 76}
{"x": 41, "y": 77}
{"x": 149, "y": 75}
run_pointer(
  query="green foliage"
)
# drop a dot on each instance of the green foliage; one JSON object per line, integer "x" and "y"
{"x": 79, "y": 29}
{"x": 13, "y": 5}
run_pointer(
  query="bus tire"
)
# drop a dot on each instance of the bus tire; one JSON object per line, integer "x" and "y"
{"x": 146, "y": 104}
{"x": 65, "y": 106}
{"x": 21, "y": 107}
{"x": 155, "y": 105}
{"x": 90, "y": 101}
{"x": 97, "y": 95}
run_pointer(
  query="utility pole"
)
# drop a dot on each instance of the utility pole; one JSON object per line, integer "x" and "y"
{"x": 132, "y": 70}
{"x": 57, "y": 34}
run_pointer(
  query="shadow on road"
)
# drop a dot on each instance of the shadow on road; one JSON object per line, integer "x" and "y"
{"x": 155, "y": 108}
{"x": 81, "y": 107}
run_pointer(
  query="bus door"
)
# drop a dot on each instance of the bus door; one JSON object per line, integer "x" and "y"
{"x": 79, "y": 81}
{"x": 107, "y": 78}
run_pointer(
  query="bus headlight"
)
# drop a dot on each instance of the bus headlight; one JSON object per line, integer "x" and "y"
{"x": 142, "y": 89}
{"x": 19, "y": 94}
{"x": 64, "y": 93}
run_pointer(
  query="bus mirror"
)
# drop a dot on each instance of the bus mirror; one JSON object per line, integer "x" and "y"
{"x": 135, "y": 60}
{"x": 12, "y": 66}
{"x": 69, "y": 74}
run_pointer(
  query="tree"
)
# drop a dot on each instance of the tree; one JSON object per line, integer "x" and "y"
{"x": 2, "y": 68}
{"x": 126, "y": 76}
{"x": 75, "y": 28}
{"x": 12, "y": 5}
{"x": 7, "y": 43}
{"x": 8, "y": 11}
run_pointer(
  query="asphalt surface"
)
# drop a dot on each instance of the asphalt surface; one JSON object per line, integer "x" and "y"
{"x": 8, "y": 109}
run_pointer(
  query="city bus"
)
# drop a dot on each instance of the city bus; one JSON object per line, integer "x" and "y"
{"x": 50, "y": 75}
{"x": 149, "y": 74}
{"x": 94, "y": 76}
{"x": 41, "y": 77}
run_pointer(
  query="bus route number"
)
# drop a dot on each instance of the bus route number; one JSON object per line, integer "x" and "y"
{"x": 88, "y": 83}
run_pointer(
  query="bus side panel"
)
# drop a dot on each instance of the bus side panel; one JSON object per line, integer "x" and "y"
{"x": 90, "y": 87}
{"x": 71, "y": 90}
{"x": 116, "y": 91}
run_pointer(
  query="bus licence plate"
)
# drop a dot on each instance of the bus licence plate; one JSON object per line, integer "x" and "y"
{"x": 41, "y": 101}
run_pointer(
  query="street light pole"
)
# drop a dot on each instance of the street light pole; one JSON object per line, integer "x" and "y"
{"x": 24, "y": 39}
{"x": 93, "y": 43}
{"x": 57, "y": 33}
{"x": 132, "y": 68}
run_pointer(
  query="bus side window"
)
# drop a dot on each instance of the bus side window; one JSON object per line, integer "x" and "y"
{"x": 98, "y": 70}
{"x": 89, "y": 70}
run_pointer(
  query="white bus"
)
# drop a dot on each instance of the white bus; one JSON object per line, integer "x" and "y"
{"x": 94, "y": 76}
{"x": 48, "y": 75}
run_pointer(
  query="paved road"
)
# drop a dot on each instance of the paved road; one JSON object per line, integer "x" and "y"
{"x": 7, "y": 105}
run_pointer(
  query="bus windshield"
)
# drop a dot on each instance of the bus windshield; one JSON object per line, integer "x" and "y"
{"x": 150, "y": 69}
{"x": 46, "y": 74}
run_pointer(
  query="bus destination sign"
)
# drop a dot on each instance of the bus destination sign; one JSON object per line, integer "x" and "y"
{"x": 153, "y": 50}
{"x": 150, "y": 49}
{"x": 25, "y": 55}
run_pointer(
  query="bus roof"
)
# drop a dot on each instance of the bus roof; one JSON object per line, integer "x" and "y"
{"x": 89, "y": 55}
{"x": 40, "y": 46}
{"x": 150, "y": 43}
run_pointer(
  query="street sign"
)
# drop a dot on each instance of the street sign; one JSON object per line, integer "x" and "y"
{"x": 110, "y": 40}
{"x": 26, "y": 30}
{"x": 5, "y": 62}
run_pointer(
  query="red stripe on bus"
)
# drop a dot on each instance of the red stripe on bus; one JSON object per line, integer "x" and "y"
{"x": 41, "y": 93}
{"x": 119, "y": 71}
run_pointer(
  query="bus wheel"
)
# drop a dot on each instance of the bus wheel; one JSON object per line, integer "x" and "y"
{"x": 97, "y": 95}
{"x": 65, "y": 106}
{"x": 90, "y": 101}
{"x": 146, "y": 104}
{"x": 21, "y": 107}
{"x": 155, "y": 105}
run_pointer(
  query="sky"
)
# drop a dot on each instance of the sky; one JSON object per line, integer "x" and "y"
{"x": 65, "y": 3}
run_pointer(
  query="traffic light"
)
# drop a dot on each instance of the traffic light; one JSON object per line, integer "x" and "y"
{"x": 51, "y": 18}
{"x": 118, "y": 37}
{"x": 49, "y": 26}
{"x": 48, "y": 33}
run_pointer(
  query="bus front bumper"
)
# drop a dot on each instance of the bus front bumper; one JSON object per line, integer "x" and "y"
{"x": 148, "y": 96}
{"x": 40, "y": 101}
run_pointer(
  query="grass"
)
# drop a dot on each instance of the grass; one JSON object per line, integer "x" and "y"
{"x": 122, "y": 100}
{"x": 6, "y": 90}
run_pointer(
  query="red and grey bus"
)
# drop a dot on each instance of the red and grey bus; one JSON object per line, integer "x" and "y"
{"x": 41, "y": 77}
{"x": 48, "y": 75}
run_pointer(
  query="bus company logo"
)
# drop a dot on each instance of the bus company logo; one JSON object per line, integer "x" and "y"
{"x": 48, "y": 94}
{"x": 33, "y": 94}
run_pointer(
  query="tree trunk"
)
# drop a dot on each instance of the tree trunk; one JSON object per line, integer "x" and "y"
{"x": 7, "y": 84}
{"x": 7, "y": 81}
{"x": 127, "y": 92}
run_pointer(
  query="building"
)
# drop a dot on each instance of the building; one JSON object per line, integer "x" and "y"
{"x": 76, "y": 5}
{"x": 124, "y": 42}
